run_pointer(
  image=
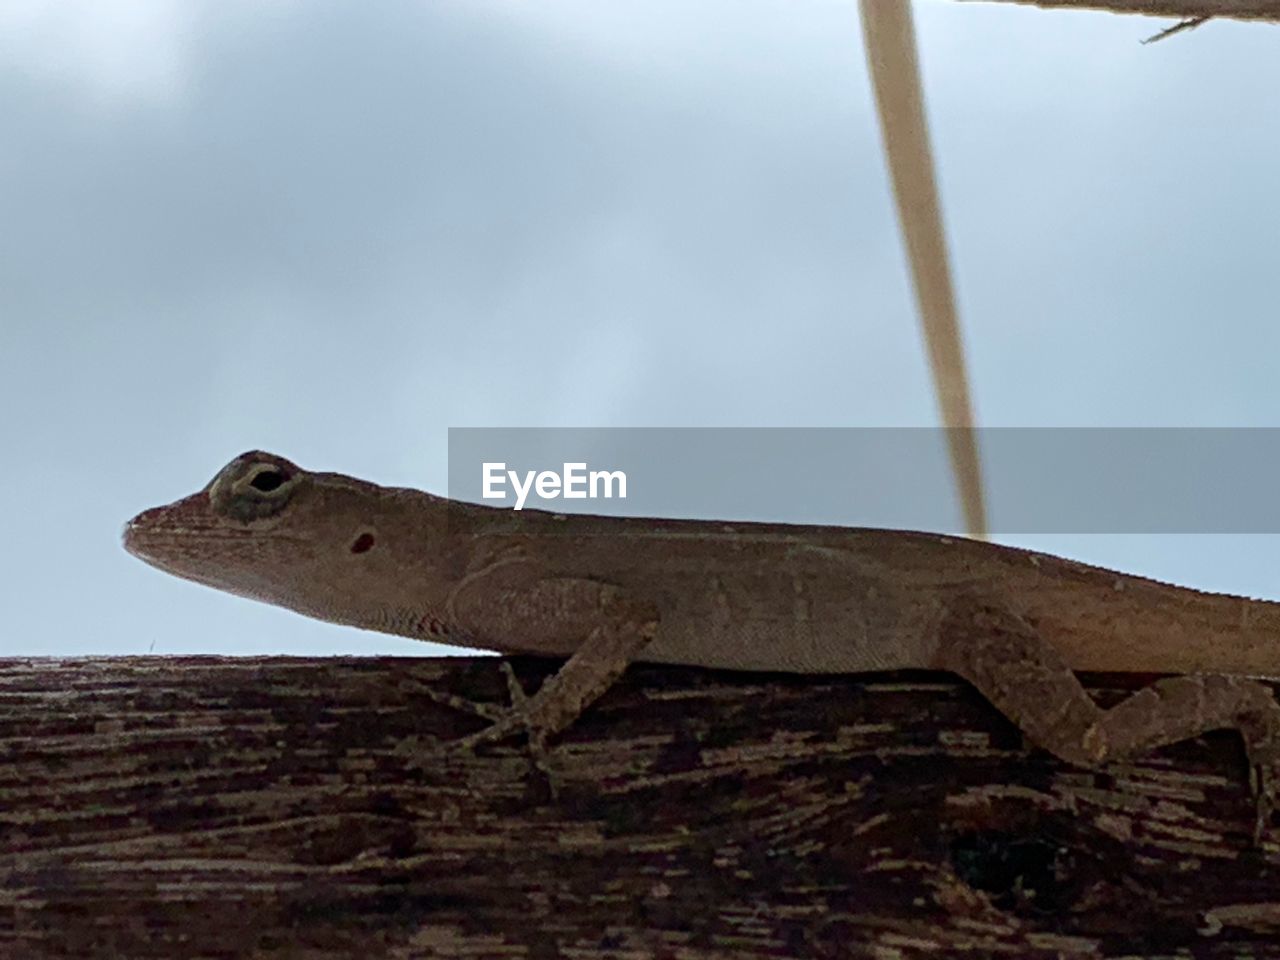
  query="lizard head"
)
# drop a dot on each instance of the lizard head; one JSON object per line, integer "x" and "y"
{"x": 267, "y": 529}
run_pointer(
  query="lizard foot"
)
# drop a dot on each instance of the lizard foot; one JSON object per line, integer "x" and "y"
{"x": 622, "y": 629}
{"x": 465, "y": 705}
{"x": 504, "y": 722}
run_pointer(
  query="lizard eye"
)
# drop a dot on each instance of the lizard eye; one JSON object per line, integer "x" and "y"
{"x": 268, "y": 479}
{"x": 253, "y": 487}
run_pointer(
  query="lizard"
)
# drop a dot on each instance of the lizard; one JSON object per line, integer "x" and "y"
{"x": 604, "y": 591}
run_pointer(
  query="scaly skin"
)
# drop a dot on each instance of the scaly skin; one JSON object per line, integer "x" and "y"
{"x": 752, "y": 596}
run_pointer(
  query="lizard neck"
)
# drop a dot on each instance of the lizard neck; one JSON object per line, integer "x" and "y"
{"x": 421, "y": 551}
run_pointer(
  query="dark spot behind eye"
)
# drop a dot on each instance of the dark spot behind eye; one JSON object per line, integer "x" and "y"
{"x": 362, "y": 543}
{"x": 267, "y": 480}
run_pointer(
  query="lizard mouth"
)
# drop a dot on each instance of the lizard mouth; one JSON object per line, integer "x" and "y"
{"x": 155, "y": 534}
{"x": 178, "y": 513}
{"x": 187, "y": 539}
{"x": 134, "y": 535}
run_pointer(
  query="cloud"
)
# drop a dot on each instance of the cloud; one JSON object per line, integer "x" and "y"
{"x": 112, "y": 54}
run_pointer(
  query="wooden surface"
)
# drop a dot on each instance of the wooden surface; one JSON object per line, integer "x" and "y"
{"x": 201, "y": 807}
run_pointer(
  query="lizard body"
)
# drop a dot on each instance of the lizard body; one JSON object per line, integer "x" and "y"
{"x": 773, "y": 597}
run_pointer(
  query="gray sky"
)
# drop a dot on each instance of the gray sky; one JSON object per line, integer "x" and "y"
{"x": 334, "y": 231}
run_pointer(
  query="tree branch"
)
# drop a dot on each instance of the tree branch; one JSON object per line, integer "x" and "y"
{"x": 1183, "y": 9}
{"x": 184, "y": 807}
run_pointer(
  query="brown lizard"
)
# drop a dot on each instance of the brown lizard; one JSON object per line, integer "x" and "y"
{"x": 605, "y": 591}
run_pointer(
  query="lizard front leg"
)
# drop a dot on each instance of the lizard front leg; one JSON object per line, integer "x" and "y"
{"x": 1029, "y": 681}
{"x": 624, "y": 629}
{"x": 511, "y": 607}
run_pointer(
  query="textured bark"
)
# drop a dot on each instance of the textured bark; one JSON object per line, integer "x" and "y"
{"x": 207, "y": 807}
{"x": 1187, "y": 9}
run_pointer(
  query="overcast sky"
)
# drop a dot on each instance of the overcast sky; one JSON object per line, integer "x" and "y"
{"x": 334, "y": 231}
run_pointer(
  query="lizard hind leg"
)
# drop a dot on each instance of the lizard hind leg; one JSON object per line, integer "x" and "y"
{"x": 1025, "y": 676}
